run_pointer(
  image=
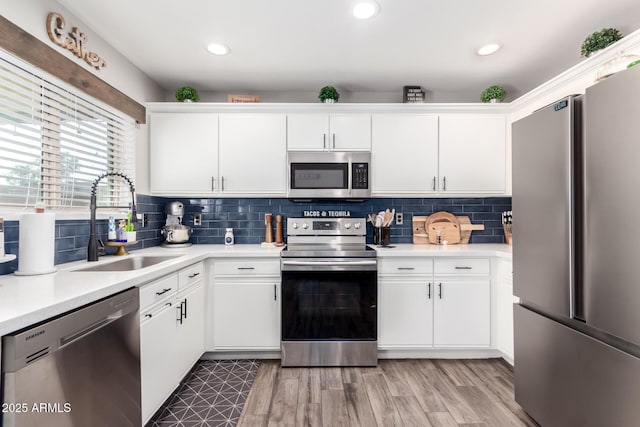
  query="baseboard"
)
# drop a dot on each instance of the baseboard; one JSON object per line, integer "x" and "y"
{"x": 230, "y": 355}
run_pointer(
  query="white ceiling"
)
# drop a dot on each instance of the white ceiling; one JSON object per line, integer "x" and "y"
{"x": 301, "y": 45}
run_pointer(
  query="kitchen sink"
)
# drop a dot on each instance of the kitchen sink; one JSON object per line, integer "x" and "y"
{"x": 129, "y": 264}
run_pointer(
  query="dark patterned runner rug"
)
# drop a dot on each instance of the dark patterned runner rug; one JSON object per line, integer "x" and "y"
{"x": 211, "y": 395}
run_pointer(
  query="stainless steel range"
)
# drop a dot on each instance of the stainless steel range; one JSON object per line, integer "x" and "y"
{"x": 329, "y": 294}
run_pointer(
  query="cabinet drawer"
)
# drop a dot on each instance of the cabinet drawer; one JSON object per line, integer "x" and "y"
{"x": 158, "y": 290}
{"x": 462, "y": 266}
{"x": 247, "y": 267}
{"x": 190, "y": 275}
{"x": 406, "y": 266}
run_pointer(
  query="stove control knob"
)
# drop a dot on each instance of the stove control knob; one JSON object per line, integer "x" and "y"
{"x": 305, "y": 225}
{"x": 295, "y": 225}
{"x": 347, "y": 225}
{"x": 357, "y": 225}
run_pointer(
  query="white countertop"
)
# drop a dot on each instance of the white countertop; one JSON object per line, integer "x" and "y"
{"x": 26, "y": 300}
{"x": 473, "y": 250}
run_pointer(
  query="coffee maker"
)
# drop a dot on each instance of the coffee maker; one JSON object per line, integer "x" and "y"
{"x": 175, "y": 233}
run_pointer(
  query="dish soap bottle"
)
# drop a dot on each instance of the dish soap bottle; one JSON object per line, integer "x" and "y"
{"x": 228, "y": 237}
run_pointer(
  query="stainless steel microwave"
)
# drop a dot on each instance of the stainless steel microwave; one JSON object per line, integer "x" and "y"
{"x": 329, "y": 174}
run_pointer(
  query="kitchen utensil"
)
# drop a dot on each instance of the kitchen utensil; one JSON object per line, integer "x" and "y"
{"x": 444, "y": 224}
{"x": 388, "y": 217}
{"x": 420, "y": 235}
{"x": 279, "y": 236}
{"x": 268, "y": 236}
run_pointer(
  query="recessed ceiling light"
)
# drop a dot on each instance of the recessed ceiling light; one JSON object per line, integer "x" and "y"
{"x": 488, "y": 49}
{"x": 366, "y": 9}
{"x": 218, "y": 49}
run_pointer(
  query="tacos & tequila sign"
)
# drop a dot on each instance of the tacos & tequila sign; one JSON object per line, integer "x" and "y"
{"x": 74, "y": 41}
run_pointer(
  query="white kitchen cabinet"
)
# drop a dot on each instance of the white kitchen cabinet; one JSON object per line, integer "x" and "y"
{"x": 472, "y": 154}
{"x": 183, "y": 157}
{"x": 253, "y": 154}
{"x": 244, "y": 305}
{"x": 334, "y": 132}
{"x": 189, "y": 344}
{"x": 425, "y": 302}
{"x": 462, "y": 313}
{"x": 404, "y": 154}
{"x": 405, "y": 311}
{"x": 504, "y": 309}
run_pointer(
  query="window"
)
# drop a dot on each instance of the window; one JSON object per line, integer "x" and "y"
{"x": 54, "y": 142}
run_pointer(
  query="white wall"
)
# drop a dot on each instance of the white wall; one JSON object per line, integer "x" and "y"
{"x": 31, "y": 15}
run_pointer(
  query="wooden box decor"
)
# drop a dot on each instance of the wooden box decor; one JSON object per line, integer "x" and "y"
{"x": 453, "y": 229}
{"x": 412, "y": 94}
{"x": 243, "y": 98}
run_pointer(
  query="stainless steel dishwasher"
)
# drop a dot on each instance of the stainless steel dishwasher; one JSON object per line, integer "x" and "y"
{"x": 79, "y": 369}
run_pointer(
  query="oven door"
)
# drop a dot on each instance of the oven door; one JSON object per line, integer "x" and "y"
{"x": 329, "y": 299}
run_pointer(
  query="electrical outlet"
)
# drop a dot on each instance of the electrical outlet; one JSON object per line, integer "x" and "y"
{"x": 142, "y": 219}
{"x": 197, "y": 219}
{"x": 399, "y": 218}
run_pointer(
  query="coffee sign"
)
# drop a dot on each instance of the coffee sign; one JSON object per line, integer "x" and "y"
{"x": 74, "y": 41}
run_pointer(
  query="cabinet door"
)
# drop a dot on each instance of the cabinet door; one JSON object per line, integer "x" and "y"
{"x": 472, "y": 154}
{"x": 350, "y": 132}
{"x": 247, "y": 315}
{"x": 183, "y": 156}
{"x": 504, "y": 311}
{"x": 253, "y": 153}
{"x": 405, "y": 314}
{"x": 190, "y": 342}
{"x": 462, "y": 313}
{"x": 157, "y": 381}
{"x": 307, "y": 132}
{"x": 404, "y": 153}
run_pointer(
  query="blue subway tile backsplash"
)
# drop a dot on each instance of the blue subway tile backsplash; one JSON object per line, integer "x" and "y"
{"x": 246, "y": 217}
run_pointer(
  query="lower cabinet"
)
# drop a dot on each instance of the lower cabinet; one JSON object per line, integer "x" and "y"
{"x": 244, "y": 303}
{"x": 504, "y": 309}
{"x": 171, "y": 336}
{"x": 441, "y": 303}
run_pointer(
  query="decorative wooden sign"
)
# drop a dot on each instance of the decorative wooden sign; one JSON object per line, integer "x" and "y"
{"x": 412, "y": 94}
{"x": 74, "y": 41}
{"x": 243, "y": 98}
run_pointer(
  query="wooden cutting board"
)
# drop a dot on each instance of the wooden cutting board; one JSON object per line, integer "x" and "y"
{"x": 448, "y": 231}
{"x": 421, "y": 236}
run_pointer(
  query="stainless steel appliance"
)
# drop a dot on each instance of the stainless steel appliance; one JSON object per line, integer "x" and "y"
{"x": 79, "y": 369}
{"x": 329, "y": 294}
{"x": 329, "y": 174}
{"x": 577, "y": 327}
{"x": 176, "y": 234}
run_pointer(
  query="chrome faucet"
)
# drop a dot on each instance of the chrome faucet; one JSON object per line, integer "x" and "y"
{"x": 93, "y": 250}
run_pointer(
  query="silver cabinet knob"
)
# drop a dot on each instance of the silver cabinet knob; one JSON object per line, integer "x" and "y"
{"x": 295, "y": 225}
{"x": 357, "y": 225}
{"x": 305, "y": 226}
{"x": 347, "y": 225}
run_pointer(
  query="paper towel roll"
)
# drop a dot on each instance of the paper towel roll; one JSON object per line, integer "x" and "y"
{"x": 37, "y": 244}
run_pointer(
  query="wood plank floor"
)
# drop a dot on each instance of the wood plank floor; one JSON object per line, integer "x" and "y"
{"x": 438, "y": 393}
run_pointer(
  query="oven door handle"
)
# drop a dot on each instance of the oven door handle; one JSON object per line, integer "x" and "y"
{"x": 333, "y": 265}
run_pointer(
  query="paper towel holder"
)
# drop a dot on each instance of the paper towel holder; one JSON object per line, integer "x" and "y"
{"x": 92, "y": 249}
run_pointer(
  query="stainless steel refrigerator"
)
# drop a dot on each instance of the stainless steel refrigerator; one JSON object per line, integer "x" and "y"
{"x": 576, "y": 258}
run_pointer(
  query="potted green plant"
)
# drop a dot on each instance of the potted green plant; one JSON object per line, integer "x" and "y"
{"x": 599, "y": 40}
{"x": 329, "y": 94}
{"x": 493, "y": 94}
{"x": 187, "y": 94}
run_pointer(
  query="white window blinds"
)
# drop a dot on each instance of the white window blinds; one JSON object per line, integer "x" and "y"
{"x": 55, "y": 143}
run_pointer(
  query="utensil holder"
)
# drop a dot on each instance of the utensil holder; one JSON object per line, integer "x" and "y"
{"x": 382, "y": 236}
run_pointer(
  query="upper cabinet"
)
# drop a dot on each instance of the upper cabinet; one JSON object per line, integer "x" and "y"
{"x": 183, "y": 153}
{"x": 472, "y": 154}
{"x": 331, "y": 132}
{"x": 404, "y": 153}
{"x": 211, "y": 154}
{"x": 422, "y": 154}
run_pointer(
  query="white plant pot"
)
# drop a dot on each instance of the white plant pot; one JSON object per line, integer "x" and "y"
{"x": 329, "y": 101}
{"x": 130, "y": 236}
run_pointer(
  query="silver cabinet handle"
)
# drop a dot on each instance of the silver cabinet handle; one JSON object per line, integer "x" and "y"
{"x": 191, "y": 276}
{"x": 275, "y": 292}
{"x": 148, "y": 316}
{"x": 429, "y": 290}
{"x": 334, "y": 140}
{"x": 222, "y": 185}
{"x": 213, "y": 187}
{"x": 444, "y": 183}
{"x": 164, "y": 291}
{"x": 179, "y": 313}
{"x": 463, "y": 268}
{"x": 406, "y": 268}
{"x": 433, "y": 186}
{"x": 440, "y": 290}
{"x": 324, "y": 140}
{"x": 246, "y": 268}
